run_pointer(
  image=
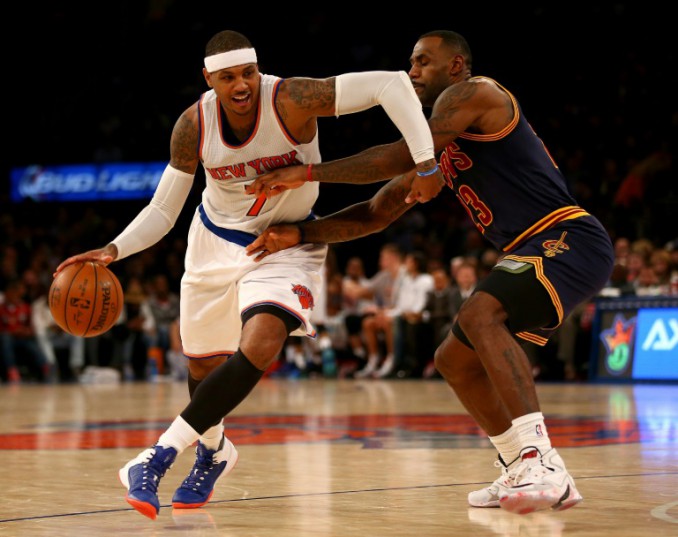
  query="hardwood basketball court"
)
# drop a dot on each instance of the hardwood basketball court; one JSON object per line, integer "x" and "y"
{"x": 334, "y": 458}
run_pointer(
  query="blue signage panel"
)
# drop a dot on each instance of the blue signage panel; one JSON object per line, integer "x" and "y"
{"x": 656, "y": 344}
{"x": 635, "y": 339}
{"x": 86, "y": 182}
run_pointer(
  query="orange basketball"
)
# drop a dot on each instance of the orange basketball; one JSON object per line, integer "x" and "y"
{"x": 85, "y": 299}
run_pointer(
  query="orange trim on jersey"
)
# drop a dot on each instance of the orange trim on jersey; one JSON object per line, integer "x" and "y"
{"x": 281, "y": 124}
{"x": 550, "y": 220}
{"x": 503, "y": 132}
{"x": 208, "y": 355}
{"x": 539, "y": 269}
{"x": 249, "y": 138}
{"x": 533, "y": 338}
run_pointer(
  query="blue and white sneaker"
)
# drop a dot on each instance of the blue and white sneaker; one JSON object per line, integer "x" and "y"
{"x": 141, "y": 476}
{"x": 210, "y": 465}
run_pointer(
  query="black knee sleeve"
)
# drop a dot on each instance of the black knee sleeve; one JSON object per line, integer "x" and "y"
{"x": 221, "y": 391}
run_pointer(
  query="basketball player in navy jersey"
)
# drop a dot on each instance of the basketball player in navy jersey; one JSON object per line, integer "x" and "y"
{"x": 231, "y": 306}
{"x": 556, "y": 256}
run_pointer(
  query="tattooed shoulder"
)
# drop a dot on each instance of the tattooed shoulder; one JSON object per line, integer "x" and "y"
{"x": 184, "y": 141}
{"x": 309, "y": 93}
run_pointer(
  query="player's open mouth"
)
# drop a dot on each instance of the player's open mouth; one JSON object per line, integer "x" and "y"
{"x": 241, "y": 99}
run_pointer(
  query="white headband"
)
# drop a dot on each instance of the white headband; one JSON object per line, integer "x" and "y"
{"x": 223, "y": 60}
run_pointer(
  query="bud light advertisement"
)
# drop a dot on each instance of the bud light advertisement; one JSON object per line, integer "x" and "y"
{"x": 85, "y": 182}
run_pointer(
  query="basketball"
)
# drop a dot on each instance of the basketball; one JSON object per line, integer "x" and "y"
{"x": 85, "y": 299}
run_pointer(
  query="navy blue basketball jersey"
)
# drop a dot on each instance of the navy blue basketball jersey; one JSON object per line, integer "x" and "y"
{"x": 508, "y": 182}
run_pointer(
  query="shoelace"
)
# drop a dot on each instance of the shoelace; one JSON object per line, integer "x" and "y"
{"x": 153, "y": 469}
{"x": 526, "y": 471}
{"x": 203, "y": 465}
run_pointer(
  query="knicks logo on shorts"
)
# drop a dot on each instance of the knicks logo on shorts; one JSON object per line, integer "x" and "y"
{"x": 551, "y": 248}
{"x": 305, "y": 296}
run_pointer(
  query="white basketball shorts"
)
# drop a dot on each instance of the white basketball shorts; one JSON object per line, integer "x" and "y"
{"x": 221, "y": 282}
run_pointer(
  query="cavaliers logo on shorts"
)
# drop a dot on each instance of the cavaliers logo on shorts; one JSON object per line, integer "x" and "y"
{"x": 305, "y": 296}
{"x": 552, "y": 248}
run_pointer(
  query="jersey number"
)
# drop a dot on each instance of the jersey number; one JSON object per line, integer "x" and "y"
{"x": 257, "y": 206}
{"x": 451, "y": 161}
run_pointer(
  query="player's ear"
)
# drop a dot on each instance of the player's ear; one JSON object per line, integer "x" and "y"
{"x": 208, "y": 77}
{"x": 456, "y": 65}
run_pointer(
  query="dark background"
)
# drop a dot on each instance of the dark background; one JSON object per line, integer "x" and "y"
{"x": 106, "y": 81}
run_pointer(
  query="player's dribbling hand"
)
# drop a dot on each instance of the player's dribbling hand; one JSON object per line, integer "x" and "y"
{"x": 276, "y": 182}
{"x": 103, "y": 256}
{"x": 274, "y": 239}
{"x": 426, "y": 188}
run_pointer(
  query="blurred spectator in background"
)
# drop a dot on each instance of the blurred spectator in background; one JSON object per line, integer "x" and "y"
{"x": 647, "y": 283}
{"x": 378, "y": 324}
{"x": 660, "y": 262}
{"x": 64, "y": 352}
{"x": 410, "y": 349}
{"x": 164, "y": 305}
{"x": 465, "y": 281}
{"x": 19, "y": 347}
{"x": 438, "y": 310}
{"x": 136, "y": 331}
{"x": 355, "y": 305}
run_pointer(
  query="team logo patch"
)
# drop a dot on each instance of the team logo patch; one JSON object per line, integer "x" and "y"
{"x": 551, "y": 248}
{"x": 305, "y": 296}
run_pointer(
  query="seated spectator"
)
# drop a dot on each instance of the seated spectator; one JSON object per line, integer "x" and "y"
{"x": 62, "y": 350}
{"x": 164, "y": 305}
{"x": 354, "y": 305}
{"x": 18, "y": 344}
{"x": 406, "y": 314}
{"x": 647, "y": 283}
{"x": 466, "y": 279}
{"x": 382, "y": 288}
{"x": 437, "y": 314}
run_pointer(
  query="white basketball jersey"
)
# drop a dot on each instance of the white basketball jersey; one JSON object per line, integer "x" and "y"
{"x": 229, "y": 168}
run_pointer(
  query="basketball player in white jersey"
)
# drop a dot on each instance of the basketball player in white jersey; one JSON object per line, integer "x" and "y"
{"x": 236, "y": 313}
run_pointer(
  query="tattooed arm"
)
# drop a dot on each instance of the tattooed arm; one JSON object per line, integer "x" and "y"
{"x": 353, "y": 222}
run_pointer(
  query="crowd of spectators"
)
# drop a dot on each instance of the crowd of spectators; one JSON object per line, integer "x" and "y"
{"x": 607, "y": 119}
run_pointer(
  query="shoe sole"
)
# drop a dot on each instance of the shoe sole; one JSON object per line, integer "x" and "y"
{"x": 144, "y": 508}
{"x": 493, "y": 504}
{"x": 522, "y": 503}
{"x": 569, "y": 499}
{"x": 229, "y": 467}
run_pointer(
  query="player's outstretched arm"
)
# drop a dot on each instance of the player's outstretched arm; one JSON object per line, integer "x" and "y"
{"x": 353, "y": 222}
{"x": 354, "y": 92}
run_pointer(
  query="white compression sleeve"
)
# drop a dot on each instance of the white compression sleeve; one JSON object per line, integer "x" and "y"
{"x": 394, "y": 92}
{"x": 159, "y": 216}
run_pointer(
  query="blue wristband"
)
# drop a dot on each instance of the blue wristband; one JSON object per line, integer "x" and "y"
{"x": 429, "y": 172}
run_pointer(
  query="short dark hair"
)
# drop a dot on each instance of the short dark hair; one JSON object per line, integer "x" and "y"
{"x": 225, "y": 41}
{"x": 454, "y": 42}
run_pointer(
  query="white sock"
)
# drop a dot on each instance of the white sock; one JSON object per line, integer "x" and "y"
{"x": 211, "y": 438}
{"x": 532, "y": 431}
{"x": 507, "y": 444}
{"x": 179, "y": 435}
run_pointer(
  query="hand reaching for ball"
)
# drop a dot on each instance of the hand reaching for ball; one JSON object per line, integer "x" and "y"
{"x": 101, "y": 256}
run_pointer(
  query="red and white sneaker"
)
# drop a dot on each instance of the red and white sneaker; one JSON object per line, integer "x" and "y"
{"x": 489, "y": 496}
{"x": 538, "y": 482}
